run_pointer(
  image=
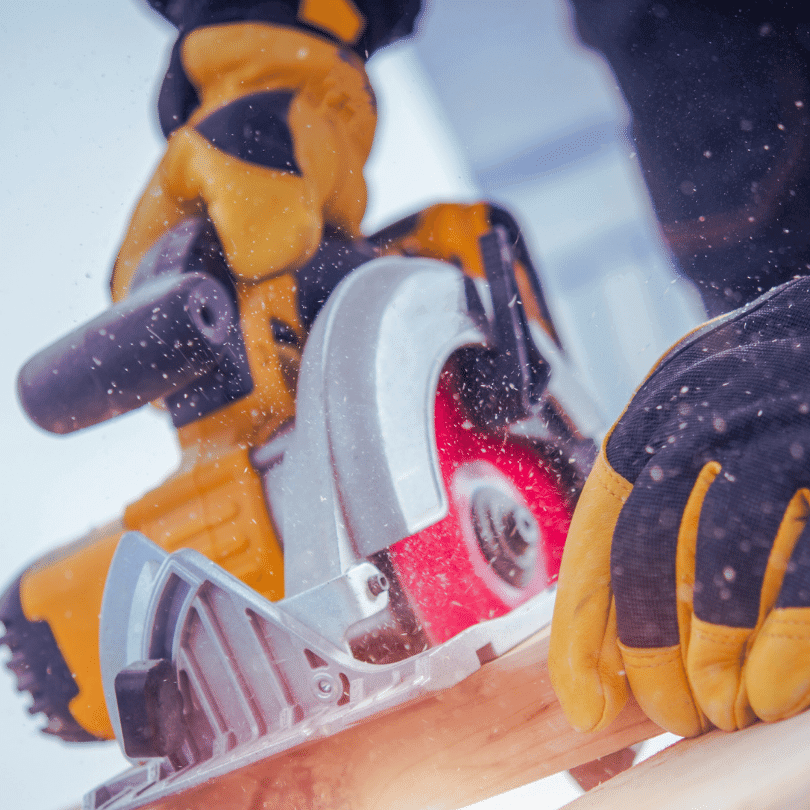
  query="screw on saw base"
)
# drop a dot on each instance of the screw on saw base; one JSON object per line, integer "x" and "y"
{"x": 507, "y": 533}
{"x": 377, "y": 584}
{"x": 326, "y": 688}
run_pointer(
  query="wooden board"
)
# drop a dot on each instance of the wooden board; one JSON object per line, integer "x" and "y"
{"x": 765, "y": 767}
{"x": 499, "y": 729}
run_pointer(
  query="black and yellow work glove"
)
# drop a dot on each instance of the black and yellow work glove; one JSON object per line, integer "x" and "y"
{"x": 687, "y": 567}
{"x": 273, "y": 151}
{"x": 273, "y": 155}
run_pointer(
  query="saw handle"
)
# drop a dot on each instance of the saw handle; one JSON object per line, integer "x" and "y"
{"x": 167, "y": 334}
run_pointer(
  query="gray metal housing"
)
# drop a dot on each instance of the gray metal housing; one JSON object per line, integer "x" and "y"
{"x": 356, "y": 473}
{"x": 360, "y": 471}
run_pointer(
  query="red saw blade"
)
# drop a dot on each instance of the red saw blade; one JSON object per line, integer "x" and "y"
{"x": 444, "y": 571}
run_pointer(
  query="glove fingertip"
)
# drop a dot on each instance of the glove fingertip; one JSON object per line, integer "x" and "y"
{"x": 777, "y": 671}
{"x": 612, "y": 673}
{"x": 715, "y": 673}
{"x": 589, "y": 702}
{"x": 615, "y": 699}
{"x": 587, "y": 674}
{"x": 658, "y": 679}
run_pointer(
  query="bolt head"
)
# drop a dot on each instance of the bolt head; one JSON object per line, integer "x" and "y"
{"x": 377, "y": 584}
{"x": 507, "y": 534}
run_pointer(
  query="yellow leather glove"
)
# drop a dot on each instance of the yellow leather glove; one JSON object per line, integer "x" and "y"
{"x": 274, "y": 150}
{"x": 686, "y": 572}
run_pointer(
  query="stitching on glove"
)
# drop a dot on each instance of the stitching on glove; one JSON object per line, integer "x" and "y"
{"x": 717, "y": 637}
{"x": 654, "y": 664}
{"x": 800, "y": 627}
{"x": 778, "y": 620}
{"x": 610, "y": 481}
{"x": 654, "y": 657}
{"x": 788, "y": 637}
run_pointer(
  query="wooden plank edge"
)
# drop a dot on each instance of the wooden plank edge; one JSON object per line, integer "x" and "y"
{"x": 764, "y": 767}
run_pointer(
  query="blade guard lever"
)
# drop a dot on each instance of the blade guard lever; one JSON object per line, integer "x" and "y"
{"x": 507, "y": 377}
